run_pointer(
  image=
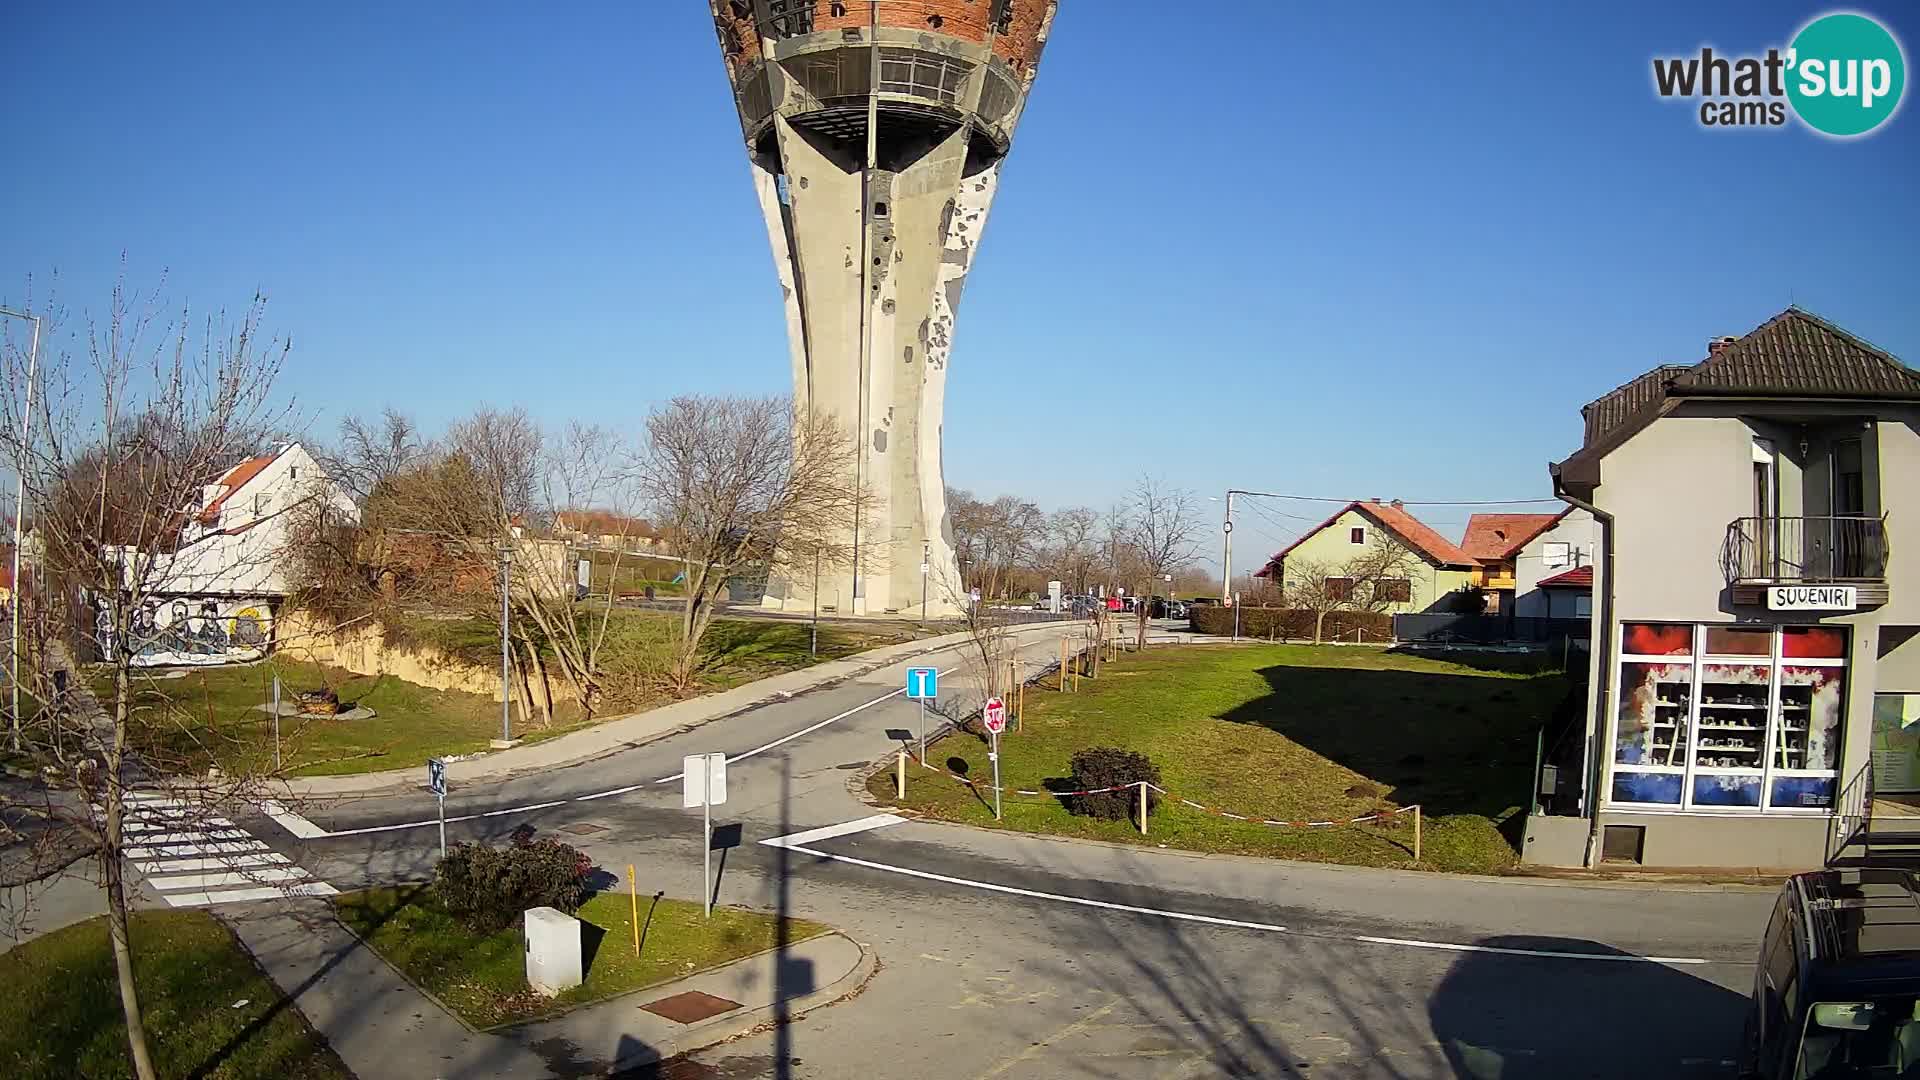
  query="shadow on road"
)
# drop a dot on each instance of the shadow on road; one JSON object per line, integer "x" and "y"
{"x": 1501, "y": 1017}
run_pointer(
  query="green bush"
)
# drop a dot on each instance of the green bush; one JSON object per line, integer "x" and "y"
{"x": 487, "y": 888}
{"x": 1291, "y": 624}
{"x": 1109, "y": 766}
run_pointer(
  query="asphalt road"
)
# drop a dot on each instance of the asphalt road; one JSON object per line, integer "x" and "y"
{"x": 1019, "y": 957}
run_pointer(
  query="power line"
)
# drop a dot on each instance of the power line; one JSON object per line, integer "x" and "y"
{"x": 1406, "y": 502}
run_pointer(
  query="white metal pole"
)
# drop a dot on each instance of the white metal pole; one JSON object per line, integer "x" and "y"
{"x": 1226, "y": 559}
{"x": 506, "y": 695}
{"x": 995, "y": 754}
{"x": 276, "y": 729}
{"x": 923, "y": 729}
{"x": 441, "y": 798}
{"x": 19, "y": 519}
{"x": 706, "y": 843}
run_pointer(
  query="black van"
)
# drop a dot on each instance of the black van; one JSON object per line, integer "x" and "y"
{"x": 1837, "y": 993}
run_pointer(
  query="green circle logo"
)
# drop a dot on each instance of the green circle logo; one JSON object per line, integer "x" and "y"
{"x": 1846, "y": 74}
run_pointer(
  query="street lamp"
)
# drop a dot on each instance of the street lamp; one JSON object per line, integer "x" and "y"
{"x": 20, "y": 516}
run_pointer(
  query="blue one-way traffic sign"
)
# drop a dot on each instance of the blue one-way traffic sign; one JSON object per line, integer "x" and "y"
{"x": 923, "y": 682}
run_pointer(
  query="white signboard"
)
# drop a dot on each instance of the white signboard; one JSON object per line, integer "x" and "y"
{"x": 703, "y": 780}
{"x": 1812, "y": 598}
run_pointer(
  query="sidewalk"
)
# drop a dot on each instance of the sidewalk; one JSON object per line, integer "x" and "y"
{"x": 383, "y": 1027}
{"x": 637, "y": 729}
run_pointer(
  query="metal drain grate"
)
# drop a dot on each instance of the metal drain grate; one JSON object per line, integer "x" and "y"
{"x": 690, "y": 1007}
{"x": 583, "y": 828}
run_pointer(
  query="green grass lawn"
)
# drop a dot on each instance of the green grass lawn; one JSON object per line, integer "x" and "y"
{"x": 484, "y": 978}
{"x": 60, "y": 1014}
{"x": 1287, "y": 732}
{"x": 209, "y": 716}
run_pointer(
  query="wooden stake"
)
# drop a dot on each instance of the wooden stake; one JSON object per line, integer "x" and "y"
{"x": 1143, "y": 808}
{"x": 1416, "y": 833}
{"x": 900, "y": 776}
{"x": 1020, "y": 716}
{"x": 1063, "y": 665}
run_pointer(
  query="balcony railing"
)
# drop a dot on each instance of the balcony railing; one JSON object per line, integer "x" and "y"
{"x": 1794, "y": 550}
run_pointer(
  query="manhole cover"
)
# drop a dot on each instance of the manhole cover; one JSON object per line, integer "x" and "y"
{"x": 690, "y": 1007}
{"x": 583, "y": 828}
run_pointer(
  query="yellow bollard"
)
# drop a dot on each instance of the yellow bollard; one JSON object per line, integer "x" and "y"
{"x": 633, "y": 896}
{"x": 1416, "y": 833}
{"x": 900, "y": 777}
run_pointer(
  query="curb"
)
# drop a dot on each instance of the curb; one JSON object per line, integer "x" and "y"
{"x": 734, "y": 1025}
{"x": 391, "y": 781}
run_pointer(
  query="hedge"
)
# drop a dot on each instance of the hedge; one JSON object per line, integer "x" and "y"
{"x": 1292, "y": 624}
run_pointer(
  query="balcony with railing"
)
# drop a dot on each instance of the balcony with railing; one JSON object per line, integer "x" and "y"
{"x": 1765, "y": 551}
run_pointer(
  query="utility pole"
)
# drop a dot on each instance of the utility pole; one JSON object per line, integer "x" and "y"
{"x": 506, "y": 565}
{"x": 926, "y": 555}
{"x": 20, "y": 516}
{"x": 1226, "y": 528}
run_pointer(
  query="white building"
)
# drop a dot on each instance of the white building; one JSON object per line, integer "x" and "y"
{"x": 214, "y": 599}
{"x": 1544, "y": 585}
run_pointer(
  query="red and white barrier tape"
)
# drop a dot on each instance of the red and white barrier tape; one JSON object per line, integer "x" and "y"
{"x": 1378, "y": 815}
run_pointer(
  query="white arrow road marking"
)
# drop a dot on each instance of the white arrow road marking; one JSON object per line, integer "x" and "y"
{"x": 791, "y": 844}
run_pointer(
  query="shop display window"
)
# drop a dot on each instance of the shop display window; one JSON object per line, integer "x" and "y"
{"x": 1729, "y": 717}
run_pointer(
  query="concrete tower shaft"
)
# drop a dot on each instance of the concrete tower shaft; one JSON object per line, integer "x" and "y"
{"x": 875, "y": 131}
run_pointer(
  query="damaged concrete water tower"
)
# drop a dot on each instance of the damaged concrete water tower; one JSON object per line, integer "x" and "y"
{"x": 876, "y": 129}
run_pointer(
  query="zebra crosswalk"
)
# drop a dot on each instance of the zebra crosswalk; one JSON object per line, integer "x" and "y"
{"x": 193, "y": 857}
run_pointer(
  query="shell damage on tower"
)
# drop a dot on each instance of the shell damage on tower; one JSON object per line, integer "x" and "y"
{"x": 876, "y": 133}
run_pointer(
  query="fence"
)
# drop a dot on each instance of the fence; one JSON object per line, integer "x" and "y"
{"x": 1291, "y": 624}
{"x": 1446, "y": 628}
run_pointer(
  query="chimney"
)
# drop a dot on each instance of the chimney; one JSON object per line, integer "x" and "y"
{"x": 1718, "y": 345}
{"x": 1376, "y": 502}
{"x": 1397, "y": 504}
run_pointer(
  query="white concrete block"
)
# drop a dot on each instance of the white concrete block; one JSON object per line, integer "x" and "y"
{"x": 553, "y": 950}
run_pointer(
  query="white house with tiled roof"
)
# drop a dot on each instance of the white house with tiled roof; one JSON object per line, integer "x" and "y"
{"x": 215, "y": 598}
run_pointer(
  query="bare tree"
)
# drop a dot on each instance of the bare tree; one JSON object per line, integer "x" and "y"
{"x": 373, "y": 452}
{"x": 1165, "y": 528}
{"x": 1372, "y": 581}
{"x": 1074, "y": 536}
{"x": 126, "y": 438}
{"x": 729, "y": 479}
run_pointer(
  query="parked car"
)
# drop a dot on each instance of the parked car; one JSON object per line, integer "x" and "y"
{"x": 1837, "y": 992}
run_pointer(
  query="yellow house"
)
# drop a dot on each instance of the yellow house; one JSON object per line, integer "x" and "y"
{"x": 1440, "y": 568}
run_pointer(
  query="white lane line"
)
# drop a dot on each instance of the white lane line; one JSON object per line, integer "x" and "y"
{"x": 1212, "y": 920}
{"x": 226, "y": 862}
{"x": 256, "y": 876}
{"x": 451, "y": 820}
{"x": 292, "y": 822}
{"x": 845, "y": 828}
{"x": 235, "y": 896}
{"x": 782, "y": 741}
{"x": 164, "y": 839}
{"x": 616, "y": 791}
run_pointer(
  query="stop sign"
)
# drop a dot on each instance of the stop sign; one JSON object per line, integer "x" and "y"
{"x": 995, "y": 715}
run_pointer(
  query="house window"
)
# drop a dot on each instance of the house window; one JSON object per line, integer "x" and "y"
{"x": 1357, "y": 534}
{"x": 259, "y": 505}
{"x": 1729, "y": 718}
{"x": 1393, "y": 591}
{"x": 1556, "y": 555}
{"x": 1582, "y": 606}
{"x": 1339, "y": 588}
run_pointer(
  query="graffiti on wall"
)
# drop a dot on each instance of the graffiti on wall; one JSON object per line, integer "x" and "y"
{"x": 192, "y": 631}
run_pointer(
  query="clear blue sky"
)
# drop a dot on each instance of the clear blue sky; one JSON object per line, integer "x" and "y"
{"x": 1368, "y": 250}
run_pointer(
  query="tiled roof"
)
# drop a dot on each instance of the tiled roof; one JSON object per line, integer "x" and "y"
{"x": 1798, "y": 354}
{"x": 233, "y": 480}
{"x": 1395, "y": 519}
{"x": 1623, "y": 402}
{"x": 1493, "y": 536}
{"x": 1580, "y": 577}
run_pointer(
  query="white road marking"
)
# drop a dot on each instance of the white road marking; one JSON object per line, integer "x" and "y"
{"x": 226, "y": 862}
{"x": 193, "y": 859}
{"x": 451, "y": 820}
{"x": 255, "y": 876}
{"x": 237, "y": 896}
{"x": 292, "y": 822}
{"x": 1214, "y": 920}
{"x": 845, "y": 828}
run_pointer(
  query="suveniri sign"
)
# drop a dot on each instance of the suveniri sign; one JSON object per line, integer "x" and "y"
{"x": 1812, "y": 598}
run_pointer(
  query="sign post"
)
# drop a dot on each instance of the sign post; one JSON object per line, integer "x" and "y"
{"x": 923, "y": 685}
{"x": 276, "y": 722}
{"x": 703, "y": 783}
{"x": 437, "y": 783}
{"x": 994, "y": 715}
